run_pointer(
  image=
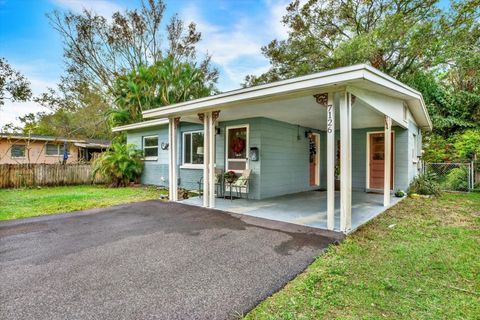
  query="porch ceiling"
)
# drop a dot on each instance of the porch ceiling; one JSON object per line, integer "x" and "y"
{"x": 303, "y": 111}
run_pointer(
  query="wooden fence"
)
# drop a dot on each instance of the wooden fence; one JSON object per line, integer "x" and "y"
{"x": 28, "y": 175}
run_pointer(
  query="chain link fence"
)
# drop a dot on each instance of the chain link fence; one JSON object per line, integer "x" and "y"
{"x": 452, "y": 176}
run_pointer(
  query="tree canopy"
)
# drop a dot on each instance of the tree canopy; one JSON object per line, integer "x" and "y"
{"x": 435, "y": 50}
{"x": 166, "y": 82}
{"x": 118, "y": 66}
{"x": 13, "y": 85}
{"x": 97, "y": 50}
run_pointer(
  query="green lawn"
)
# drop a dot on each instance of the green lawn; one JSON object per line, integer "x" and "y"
{"x": 23, "y": 203}
{"x": 419, "y": 260}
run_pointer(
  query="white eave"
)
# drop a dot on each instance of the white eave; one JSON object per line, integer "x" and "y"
{"x": 328, "y": 80}
{"x": 139, "y": 125}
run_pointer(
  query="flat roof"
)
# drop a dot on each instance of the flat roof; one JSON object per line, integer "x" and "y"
{"x": 335, "y": 78}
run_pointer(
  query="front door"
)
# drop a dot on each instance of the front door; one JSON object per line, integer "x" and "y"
{"x": 376, "y": 161}
{"x": 237, "y": 148}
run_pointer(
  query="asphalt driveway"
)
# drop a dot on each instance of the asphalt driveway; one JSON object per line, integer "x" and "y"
{"x": 148, "y": 260}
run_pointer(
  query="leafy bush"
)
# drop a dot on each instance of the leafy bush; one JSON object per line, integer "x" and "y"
{"x": 457, "y": 179}
{"x": 424, "y": 184}
{"x": 467, "y": 145}
{"x": 399, "y": 193}
{"x": 120, "y": 165}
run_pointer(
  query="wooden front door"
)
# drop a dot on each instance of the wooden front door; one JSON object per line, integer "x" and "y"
{"x": 314, "y": 150}
{"x": 377, "y": 163}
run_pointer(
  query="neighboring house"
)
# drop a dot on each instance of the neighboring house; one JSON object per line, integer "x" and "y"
{"x": 18, "y": 149}
{"x": 303, "y": 134}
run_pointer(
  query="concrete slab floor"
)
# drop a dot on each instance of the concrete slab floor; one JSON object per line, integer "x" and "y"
{"x": 304, "y": 208}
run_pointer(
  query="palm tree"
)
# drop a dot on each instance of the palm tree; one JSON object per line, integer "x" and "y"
{"x": 120, "y": 164}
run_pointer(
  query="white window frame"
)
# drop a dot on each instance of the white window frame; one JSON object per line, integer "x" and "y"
{"x": 150, "y": 147}
{"x": 414, "y": 148}
{"x": 247, "y": 162}
{"x": 189, "y": 165}
{"x": 59, "y": 150}
{"x": 24, "y": 151}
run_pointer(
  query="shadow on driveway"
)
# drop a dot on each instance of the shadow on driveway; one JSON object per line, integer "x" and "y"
{"x": 148, "y": 260}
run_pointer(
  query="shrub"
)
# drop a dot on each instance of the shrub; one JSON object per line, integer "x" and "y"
{"x": 399, "y": 194}
{"x": 120, "y": 165}
{"x": 424, "y": 184}
{"x": 457, "y": 179}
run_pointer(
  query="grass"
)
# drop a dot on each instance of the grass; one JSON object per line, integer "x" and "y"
{"x": 23, "y": 203}
{"x": 419, "y": 260}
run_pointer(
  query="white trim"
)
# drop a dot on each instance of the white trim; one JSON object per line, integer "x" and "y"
{"x": 388, "y": 166}
{"x": 345, "y": 113}
{"x": 190, "y": 165}
{"x": 367, "y": 183}
{"x": 59, "y": 149}
{"x": 172, "y": 154}
{"x": 211, "y": 160}
{"x": 330, "y": 125}
{"x": 206, "y": 159}
{"x": 150, "y": 158}
{"x": 247, "y": 165}
{"x": 138, "y": 125}
{"x": 335, "y": 77}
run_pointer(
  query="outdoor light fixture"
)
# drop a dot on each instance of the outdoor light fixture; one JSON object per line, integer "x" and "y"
{"x": 164, "y": 146}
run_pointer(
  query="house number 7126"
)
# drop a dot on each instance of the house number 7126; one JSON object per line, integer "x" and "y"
{"x": 330, "y": 116}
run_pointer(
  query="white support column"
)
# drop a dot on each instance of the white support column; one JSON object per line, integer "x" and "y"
{"x": 172, "y": 157}
{"x": 170, "y": 162}
{"x": 326, "y": 100}
{"x": 330, "y": 163}
{"x": 387, "y": 161}
{"x": 212, "y": 117}
{"x": 345, "y": 162}
{"x": 206, "y": 159}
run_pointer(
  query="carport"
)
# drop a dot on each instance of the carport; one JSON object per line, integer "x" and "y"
{"x": 304, "y": 208}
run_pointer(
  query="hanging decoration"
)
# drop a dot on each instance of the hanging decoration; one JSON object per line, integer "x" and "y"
{"x": 238, "y": 144}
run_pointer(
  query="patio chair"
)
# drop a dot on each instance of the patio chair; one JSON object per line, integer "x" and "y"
{"x": 242, "y": 184}
{"x": 218, "y": 184}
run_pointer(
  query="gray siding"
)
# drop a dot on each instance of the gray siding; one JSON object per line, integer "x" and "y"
{"x": 155, "y": 172}
{"x": 284, "y": 158}
{"x": 412, "y": 166}
{"x": 283, "y": 166}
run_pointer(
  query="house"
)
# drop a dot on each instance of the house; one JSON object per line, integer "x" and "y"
{"x": 354, "y": 126}
{"x": 18, "y": 149}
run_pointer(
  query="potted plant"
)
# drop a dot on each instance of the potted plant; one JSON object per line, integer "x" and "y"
{"x": 230, "y": 176}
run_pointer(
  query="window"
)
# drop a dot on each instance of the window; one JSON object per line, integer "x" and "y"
{"x": 18, "y": 151}
{"x": 193, "y": 147}
{"x": 150, "y": 147}
{"x": 54, "y": 149}
{"x": 415, "y": 148}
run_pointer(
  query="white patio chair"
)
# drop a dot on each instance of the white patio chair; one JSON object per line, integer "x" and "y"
{"x": 242, "y": 184}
